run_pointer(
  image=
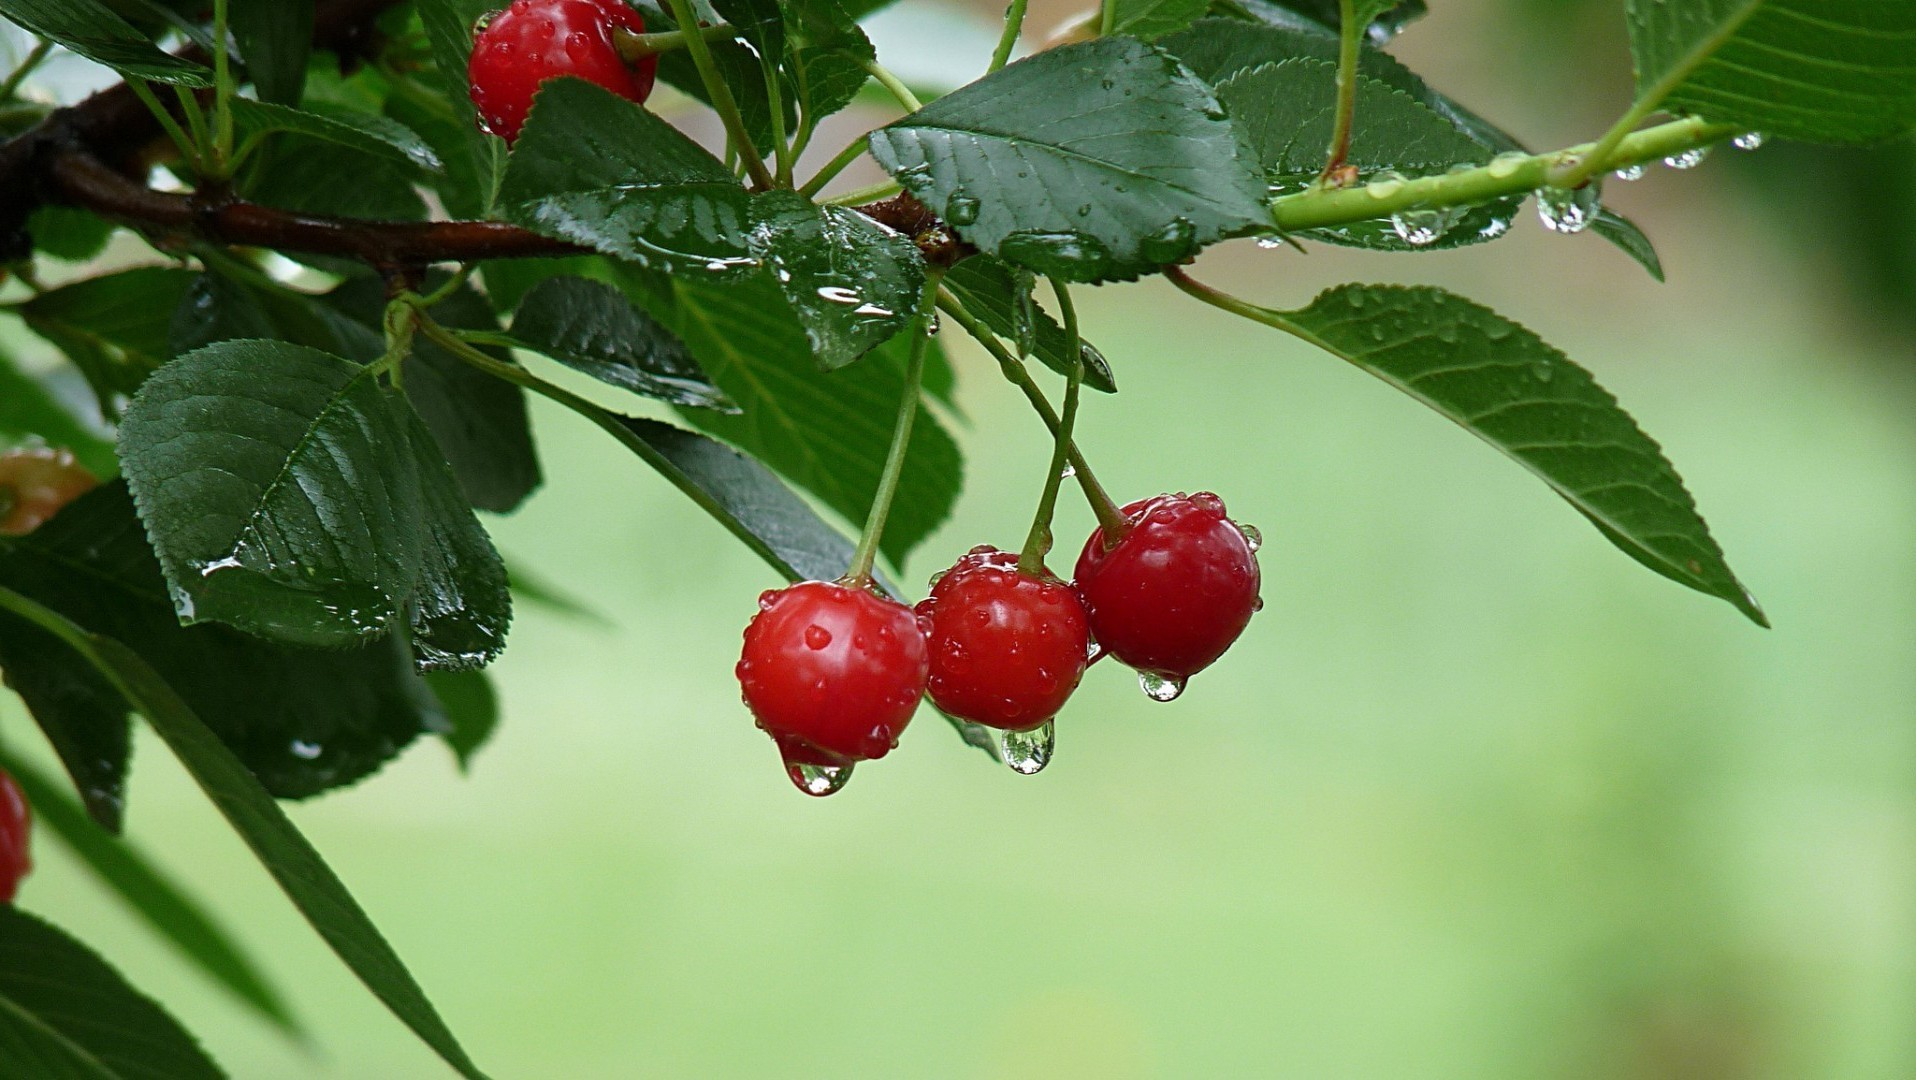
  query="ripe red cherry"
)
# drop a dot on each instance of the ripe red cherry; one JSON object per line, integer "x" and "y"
{"x": 1007, "y": 647}
{"x": 15, "y": 821}
{"x": 832, "y": 673}
{"x": 35, "y": 484}
{"x": 535, "y": 40}
{"x": 1174, "y": 592}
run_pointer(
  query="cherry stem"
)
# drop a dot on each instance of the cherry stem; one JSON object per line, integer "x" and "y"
{"x": 860, "y": 571}
{"x": 1038, "y": 540}
{"x": 1110, "y": 518}
{"x": 720, "y": 92}
{"x": 636, "y": 47}
{"x": 1350, "y": 42}
{"x": 1008, "y": 40}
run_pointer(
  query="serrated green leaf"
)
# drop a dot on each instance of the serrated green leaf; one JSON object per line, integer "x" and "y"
{"x": 275, "y": 38}
{"x": 470, "y": 152}
{"x": 592, "y": 328}
{"x": 113, "y": 327}
{"x": 988, "y": 289}
{"x": 65, "y": 1013}
{"x": 739, "y": 69}
{"x": 828, "y": 54}
{"x": 1623, "y": 232}
{"x": 461, "y": 608}
{"x": 150, "y": 894}
{"x": 851, "y": 282}
{"x": 1503, "y": 384}
{"x": 1149, "y": 19}
{"x": 309, "y": 175}
{"x": 274, "y": 484}
{"x": 1831, "y": 71}
{"x": 471, "y": 706}
{"x": 1383, "y": 19}
{"x": 377, "y": 136}
{"x": 1088, "y": 162}
{"x": 92, "y": 30}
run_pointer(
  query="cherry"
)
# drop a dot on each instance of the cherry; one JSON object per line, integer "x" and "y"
{"x": 519, "y": 48}
{"x": 1007, "y": 647}
{"x": 1175, "y": 590}
{"x": 15, "y": 821}
{"x": 35, "y": 484}
{"x": 833, "y": 674}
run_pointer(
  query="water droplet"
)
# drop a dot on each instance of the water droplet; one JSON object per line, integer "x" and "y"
{"x": 1629, "y": 172}
{"x": 1749, "y": 140}
{"x": 1169, "y": 244}
{"x": 1160, "y": 687}
{"x": 1252, "y": 537}
{"x": 818, "y": 780}
{"x": 1688, "y": 159}
{"x": 1423, "y": 226}
{"x": 1268, "y": 242}
{"x": 1063, "y": 254}
{"x": 1569, "y": 210}
{"x": 1506, "y": 164}
{"x": 838, "y": 294}
{"x": 1068, "y": 471}
{"x": 1386, "y": 184}
{"x": 1497, "y": 227}
{"x": 1028, "y": 752}
{"x": 817, "y": 637}
{"x": 305, "y": 751}
{"x": 961, "y": 209}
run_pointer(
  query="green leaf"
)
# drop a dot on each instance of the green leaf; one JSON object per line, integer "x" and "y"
{"x": 1086, "y": 162}
{"x": 113, "y": 327}
{"x": 1503, "y": 384}
{"x": 298, "y": 869}
{"x": 851, "y": 282}
{"x": 27, "y": 410}
{"x": 92, "y": 30}
{"x": 471, "y": 152}
{"x": 827, "y": 55}
{"x": 1383, "y": 18}
{"x": 151, "y": 894}
{"x": 309, "y": 175}
{"x": 1829, "y": 71}
{"x": 1149, "y": 19}
{"x": 68, "y": 234}
{"x": 462, "y": 606}
{"x": 376, "y": 136}
{"x": 1623, "y": 232}
{"x": 304, "y": 721}
{"x": 274, "y": 483}
{"x": 65, "y": 1013}
{"x": 275, "y": 38}
{"x": 739, "y": 69}
{"x": 472, "y": 711}
{"x": 988, "y": 289}
{"x": 826, "y": 432}
{"x": 592, "y": 328}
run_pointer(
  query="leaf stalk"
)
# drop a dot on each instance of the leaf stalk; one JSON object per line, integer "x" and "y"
{"x": 860, "y": 571}
{"x": 1038, "y": 540}
{"x": 723, "y": 102}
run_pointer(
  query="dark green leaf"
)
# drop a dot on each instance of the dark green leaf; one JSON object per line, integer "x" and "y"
{"x": 739, "y": 69}
{"x": 28, "y": 410}
{"x": 92, "y": 30}
{"x": 311, "y": 175}
{"x": 69, "y": 235}
{"x": 469, "y": 151}
{"x": 275, "y": 485}
{"x": 1624, "y": 233}
{"x": 988, "y": 289}
{"x": 472, "y": 711}
{"x": 1087, "y": 162}
{"x": 530, "y": 588}
{"x": 1383, "y": 18}
{"x": 82, "y": 717}
{"x": 759, "y": 22}
{"x": 113, "y": 327}
{"x": 1831, "y": 71}
{"x": 151, "y": 894}
{"x": 376, "y": 136}
{"x": 852, "y": 282}
{"x": 461, "y": 609}
{"x": 828, "y": 55}
{"x": 65, "y": 1013}
{"x": 592, "y": 328}
{"x": 275, "y": 37}
{"x": 1148, "y": 19}
{"x": 1503, "y": 384}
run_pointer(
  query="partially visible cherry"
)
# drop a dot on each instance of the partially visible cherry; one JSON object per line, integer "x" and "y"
{"x": 35, "y": 484}
{"x": 518, "y": 49}
{"x": 1175, "y": 590}
{"x": 833, "y": 674}
{"x": 1007, "y": 647}
{"x": 16, "y": 822}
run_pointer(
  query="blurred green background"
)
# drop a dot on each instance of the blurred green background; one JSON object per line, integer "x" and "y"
{"x": 1476, "y": 796}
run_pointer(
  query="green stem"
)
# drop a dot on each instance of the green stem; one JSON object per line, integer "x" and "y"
{"x": 860, "y": 571}
{"x": 1038, "y": 540}
{"x": 223, "y": 88}
{"x": 870, "y": 193}
{"x": 403, "y": 315}
{"x": 774, "y": 95}
{"x": 452, "y": 285}
{"x": 1351, "y": 40}
{"x": 636, "y": 47}
{"x": 1107, "y": 17}
{"x": 833, "y": 167}
{"x": 722, "y": 101}
{"x": 1224, "y": 301}
{"x": 32, "y": 60}
{"x": 189, "y": 150}
{"x": 894, "y": 85}
{"x": 1110, "y": 518}
{"x": 1508, "y": 174}
{"x": 196, "y": 125}
{"x": 1014, "y": 25}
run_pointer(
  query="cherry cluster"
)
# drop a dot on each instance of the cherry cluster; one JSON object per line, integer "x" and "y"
{"x": 516, "y": 50}
{"x": 834, "y": 670}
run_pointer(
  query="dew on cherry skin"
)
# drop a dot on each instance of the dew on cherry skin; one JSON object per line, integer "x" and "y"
{"x": 1252, "y": 537}
{"x": 817, "y": 637}
{"x": 818, "y": 780}
{"x": 1160, "y": 688}
{"x": 1028, "y": 752}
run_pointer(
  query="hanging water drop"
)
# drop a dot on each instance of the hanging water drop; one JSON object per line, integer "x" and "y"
{"x": 818, "y": 780}
{"x": 1269, "y": 242}
{"x": 1160, "y": 687}
{"x": 1688, "y": 159}
{"x": 1569, "y": 210}
{"x": 1028, "y": 752}
{"x": 305, "y": 751}
{"x": 1749, "y": 140}
{"x": 1068, "y": 471}
{"x": 1252, "y": 537}
{"x": 1423, "y": 226}
{"x": 1629, "y": 172}
{"x": 961, "y": 209}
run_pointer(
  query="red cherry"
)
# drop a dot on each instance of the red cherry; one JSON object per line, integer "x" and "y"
{"x": 534, "y": 40}
{"x": 1007, "y": 647}
{"x": 15, "y": 821}
{"x": 1174, "y": 592}
{"x": 35, "y": 484}
{"x": 833, "y": 674}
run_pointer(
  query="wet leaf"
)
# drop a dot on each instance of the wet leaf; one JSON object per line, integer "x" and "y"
{"x": 989, "y": 290}
{"x": 275, "y": 39}
{"x": 92, "y": 30}
{"x": 369, "y": 134}
{"x": 592, "y": 328}
{"x": 461, "y": 607}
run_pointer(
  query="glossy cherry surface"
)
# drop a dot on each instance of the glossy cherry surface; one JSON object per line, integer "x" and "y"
{"x": 35, "y": 484}
{"x": 15, "y": 822}
{"x": 535, "y": 40}
{"x": 833, "y": 673}
{"x": 1176, "y": 590}
{"x": 1007, "y": 648}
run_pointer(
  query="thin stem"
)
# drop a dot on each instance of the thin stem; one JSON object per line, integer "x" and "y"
{"x": 32, "y": 60}
{"x": 774, "y": 94}
{"x": 1107, "y": 17}
{"x": 1038, "y": 540}
{"x": 860, "y": 571}
{"x": 1224, "y": 301}
{"x": 222, "y": 92}
{"x": 894, "y": 85}
{"x": 452, "y": 285}
{"x": 722, "y": 101}
{"x": 1014, "y": 25}
{"x": 1110, "y": 518}
{"x": 1350, "y": 42}
{"x": 189, "y": 150}
{"x": 636, "y": 47}
{"x": 871, "y": 193}
{"x": 196, "y": 124}
{"x": 833, "y": 167}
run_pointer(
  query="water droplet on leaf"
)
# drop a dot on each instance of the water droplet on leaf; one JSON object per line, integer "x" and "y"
{"x": 1629, "y": 172}
{"x": 1688, "y": 159}
{"x": 1749, "y": 140}
{"x": 961, "y": 209}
